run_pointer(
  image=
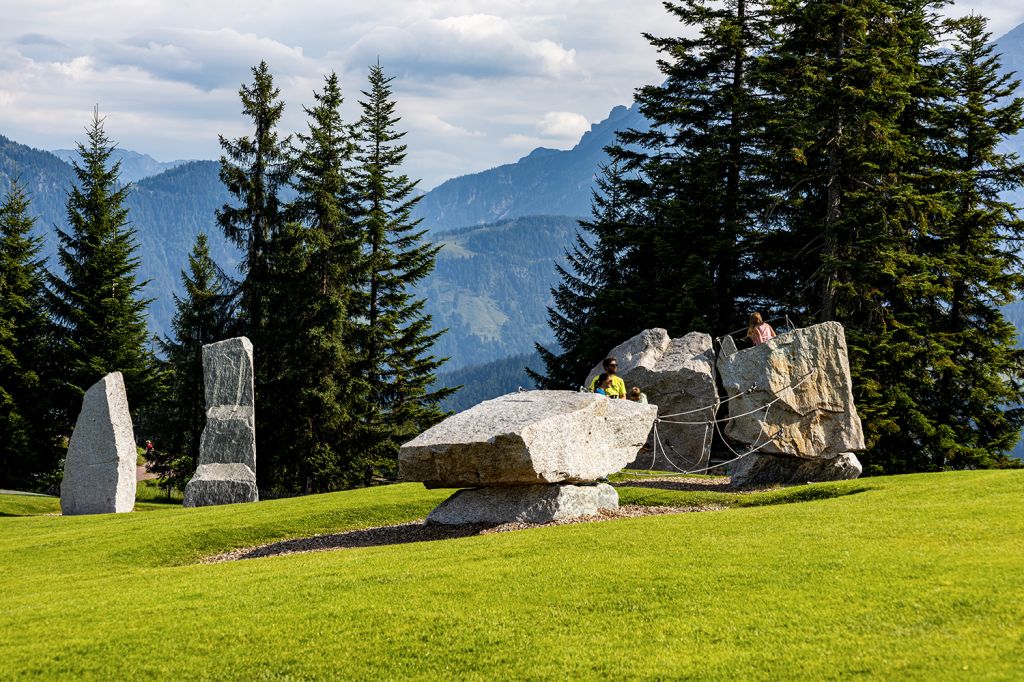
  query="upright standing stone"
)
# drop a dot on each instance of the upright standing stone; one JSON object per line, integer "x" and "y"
{"x": 227, "y": 449}
{"x": 677, "y": 375}
{"x": 99, "y": 471}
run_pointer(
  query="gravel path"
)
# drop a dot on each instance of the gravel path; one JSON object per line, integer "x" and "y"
{"x": 682, "y": 483}
{"x": 418, "y": 531}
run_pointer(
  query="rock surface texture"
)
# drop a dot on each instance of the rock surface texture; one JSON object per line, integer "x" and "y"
{"x": 222, "y": 484}
{"x": 227, "y": 449}
{"x": 525, "y": 503}
{"x": 526, "y": 455}
{"x": 529, "y": 438}
{"x": 99, "y": 470}
{"x": 815, "y": 420}
{"x": 759, "y": 470}
{"x": 677, "y": 375}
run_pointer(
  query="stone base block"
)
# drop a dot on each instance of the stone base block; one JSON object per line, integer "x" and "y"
{"x": 525, "y": 503}
{"x": 221, "y": 484}
{"x": 761, "y": 469}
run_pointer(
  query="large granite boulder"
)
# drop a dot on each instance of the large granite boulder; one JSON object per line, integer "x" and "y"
{"x": 807, "y": 371}
{"x": 99, "y": 470}
{"x": 529, "y": 438}
{"x": 677, "y": 375}
{"x": 227, "y": 448}
{"x": 525, "y": 503}
{"x": 759, "y": 469}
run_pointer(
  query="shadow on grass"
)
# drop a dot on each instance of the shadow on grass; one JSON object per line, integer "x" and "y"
{"x": 803, "y": 493}
{"x": 416, "y": 531}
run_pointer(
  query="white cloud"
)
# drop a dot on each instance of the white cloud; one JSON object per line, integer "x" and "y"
{"x": 479, "y": 82}
{"x": 475, "y": 46}
{"x": 565, "y": 124}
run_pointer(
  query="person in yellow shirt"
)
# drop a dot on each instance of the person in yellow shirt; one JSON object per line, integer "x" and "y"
{"x": 618, "y": 386}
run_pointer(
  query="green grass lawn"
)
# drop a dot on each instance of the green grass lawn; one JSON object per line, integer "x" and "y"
{"x": 912, "y": 577}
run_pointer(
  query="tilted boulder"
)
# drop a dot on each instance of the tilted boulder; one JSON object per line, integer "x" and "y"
{"x": 99, "y": 470}
{"x": 529, "y": 437}
{"x": 227, "y": 448}
{"x": 805, "y": 375}
{"x": 677, "y": 375}
{"x": 525, "y": 503}
{"x": 760, "y": 469}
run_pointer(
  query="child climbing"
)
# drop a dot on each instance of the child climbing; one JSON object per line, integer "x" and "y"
{"x": 758, "y": 330}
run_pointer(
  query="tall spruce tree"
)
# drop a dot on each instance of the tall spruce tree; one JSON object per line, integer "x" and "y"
{"x": 393, "y": 335}
{"x": 702, "y": 164}
{"x": 255, "y": 169}
{"x": 846, "y": 82}
{"x": 29, "y": 448}
{"x": 690, "y": 188}
{"x": 97, "y": 304}
{"x": 202, "y": 315}
{"x": 318, "y": 272}
{"x": 979, "y": 386}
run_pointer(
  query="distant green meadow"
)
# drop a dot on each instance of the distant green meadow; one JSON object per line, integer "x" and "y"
{"x": 910, "y": 577}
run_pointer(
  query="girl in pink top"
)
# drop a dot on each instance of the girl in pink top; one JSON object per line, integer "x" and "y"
{"x": 759, "y": 331}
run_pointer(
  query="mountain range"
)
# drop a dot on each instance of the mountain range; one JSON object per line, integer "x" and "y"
{"x": 503, "y": 230}
{"x": 134, "y": 166}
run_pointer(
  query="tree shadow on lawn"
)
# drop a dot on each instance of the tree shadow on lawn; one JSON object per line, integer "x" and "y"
{"x": 417, "y": 531}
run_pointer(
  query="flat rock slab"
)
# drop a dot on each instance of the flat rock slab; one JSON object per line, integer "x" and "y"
{"x": 759, "y": 469}
{"x": 216, "y": 484}
{"x": 677, "y": 375}
{"x": 99, "y": 470}
{"x": 525, "y": 504}
{"x": 528, "y": 438}
{"x": 818, "y": 418}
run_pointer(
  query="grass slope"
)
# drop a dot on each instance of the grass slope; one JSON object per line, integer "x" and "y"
{"x": 916, "y": 576}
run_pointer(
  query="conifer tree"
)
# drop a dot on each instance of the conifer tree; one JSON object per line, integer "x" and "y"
{"x": 701, "y": 162}
{"x": 393, "y": 335}
{"x": 980, "y": 386}
{"x": 690, "y": 189}
{"x": 255, "y": 169}
{"x": 201, "y": 316}
{"x": 29, "y": 452}
{"x": 97, "y": 304}
{"x": 318, "y": 272}
{"x": 847, "y": 83}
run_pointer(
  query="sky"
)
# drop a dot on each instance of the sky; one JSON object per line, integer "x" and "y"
{"x": 478, "y": 83}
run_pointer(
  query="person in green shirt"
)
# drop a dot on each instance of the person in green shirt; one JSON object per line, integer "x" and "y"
{"x": 617, "y": 389}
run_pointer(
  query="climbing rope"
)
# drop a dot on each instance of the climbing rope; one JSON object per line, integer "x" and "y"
{"x": 717, "y": 426}
{"x": 778, "y": 397}
{"x": 722, "y": 400}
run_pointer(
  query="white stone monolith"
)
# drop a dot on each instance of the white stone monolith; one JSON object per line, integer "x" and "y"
{"x": 99, "y": 470}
